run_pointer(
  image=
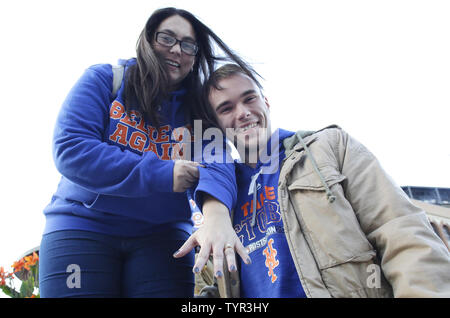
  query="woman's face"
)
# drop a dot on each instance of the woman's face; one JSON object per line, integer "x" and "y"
{"x": 178, "y": 64}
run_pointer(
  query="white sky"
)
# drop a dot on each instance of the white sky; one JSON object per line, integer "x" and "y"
{"x": 379, "y": 69}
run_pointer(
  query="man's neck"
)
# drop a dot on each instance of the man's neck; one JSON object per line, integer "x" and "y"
{"x": 253, "y": 155}
{"x": 266, "y": 153}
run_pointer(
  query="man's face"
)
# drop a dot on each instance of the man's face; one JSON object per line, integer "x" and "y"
{"x": 241, "y": 106}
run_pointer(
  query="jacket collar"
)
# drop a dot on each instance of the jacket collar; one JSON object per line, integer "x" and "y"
{"x": 292, "y": 144}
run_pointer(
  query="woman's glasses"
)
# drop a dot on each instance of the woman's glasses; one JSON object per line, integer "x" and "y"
{"x": 186, "y": 46}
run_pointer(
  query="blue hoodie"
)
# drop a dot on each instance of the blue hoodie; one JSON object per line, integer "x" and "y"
{"x": 272, "y": 273}
{"x": 117, "y": 172}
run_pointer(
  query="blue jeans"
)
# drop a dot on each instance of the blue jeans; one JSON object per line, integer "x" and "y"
{"x": 87, "y": 264}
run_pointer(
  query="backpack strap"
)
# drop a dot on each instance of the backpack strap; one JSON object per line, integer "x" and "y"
{"x": 118, "y": 71}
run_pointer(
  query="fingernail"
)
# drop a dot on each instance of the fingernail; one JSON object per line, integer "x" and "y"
{"x": 248, "y": 261}
{"x": 232, "y": 268}
{"x": 219, "y": 274}
{"x": 176, "y": 253}
{"x": 196, "y": 270}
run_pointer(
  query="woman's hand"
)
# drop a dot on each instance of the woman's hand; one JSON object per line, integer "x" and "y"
{"x": 185, "y": 174}
{"x": 215, "y": 236}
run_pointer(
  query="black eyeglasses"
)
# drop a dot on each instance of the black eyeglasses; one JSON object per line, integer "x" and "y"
{"x": 187, "y": 47}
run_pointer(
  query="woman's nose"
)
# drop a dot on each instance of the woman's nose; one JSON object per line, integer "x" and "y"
{"x": 176, "y": 48}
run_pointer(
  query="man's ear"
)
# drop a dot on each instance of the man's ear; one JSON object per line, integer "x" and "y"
{"x": 266, "y": 101}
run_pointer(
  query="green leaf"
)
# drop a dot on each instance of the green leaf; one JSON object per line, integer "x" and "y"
{"x": 10, "y": 292}
{"x": 27, "y": 288}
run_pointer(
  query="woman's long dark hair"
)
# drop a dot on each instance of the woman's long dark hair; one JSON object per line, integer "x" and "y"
{"x": 147, "y": 81}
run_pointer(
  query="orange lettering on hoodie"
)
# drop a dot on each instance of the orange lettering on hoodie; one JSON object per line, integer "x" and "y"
{"x": 152, "y": 147}
{"x": 270, "y": 193}
{"x": 181, "y": 134}
{"x": 129, "y": 119}
{"x": 259, "y": 203}
{"x": 138, "y": 140}
{"x": 141, "y": 125}
{"x": 177, "y": 151}
{"x": 162, "y": 134}
{"x": 244, "y": 208}
{"x": 117, "y": 110}
{"x": 150, "y": 131}
{"x": 271, "y": 262}
{"x": 120, "y": 135}
{"x": 165, "y": 154}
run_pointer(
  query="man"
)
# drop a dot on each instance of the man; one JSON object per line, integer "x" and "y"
{"x": 327, "y": 222}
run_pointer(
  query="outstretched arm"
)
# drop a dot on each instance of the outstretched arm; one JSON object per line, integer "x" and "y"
{"x": 216, "y": 237}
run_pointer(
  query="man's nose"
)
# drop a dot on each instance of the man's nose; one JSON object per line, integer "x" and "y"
{"x": 243, "y": 111}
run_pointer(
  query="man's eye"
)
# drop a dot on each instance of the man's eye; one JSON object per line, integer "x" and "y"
{"x": 250, "y": 99}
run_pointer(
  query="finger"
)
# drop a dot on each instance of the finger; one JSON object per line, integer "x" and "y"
{"x": 188, "y": 185}
{"x": 197, "y": 164}
{"x": 231, "y": 259}
{"x": 188, "y": 246}
{"x": 193, "y": 172}
{"x": 218, "y": 261}
{"x": 202, "y": 258}
{"x": 243, "y": 253}
{"x": 187, "y": 182}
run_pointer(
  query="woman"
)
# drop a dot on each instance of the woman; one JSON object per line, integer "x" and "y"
{"x": 120, "y": 209}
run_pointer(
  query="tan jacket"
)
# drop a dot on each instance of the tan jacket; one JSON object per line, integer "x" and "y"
{"x": 352, "y": 232}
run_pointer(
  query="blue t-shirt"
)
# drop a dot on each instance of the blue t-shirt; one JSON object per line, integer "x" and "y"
{"x": 272, "y": 273}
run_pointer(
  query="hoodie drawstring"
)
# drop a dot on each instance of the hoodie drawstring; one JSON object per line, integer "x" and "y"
{"x": 253, "y": 189}
{"x": 330, "y": 195}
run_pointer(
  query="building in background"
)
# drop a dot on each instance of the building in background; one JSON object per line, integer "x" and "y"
{"x": 436, "y": 203}
{"x": 437, "y": 196}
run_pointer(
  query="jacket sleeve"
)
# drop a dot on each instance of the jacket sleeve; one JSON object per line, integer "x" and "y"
{"x": 82, "y": 155}
{"x": 413, "y": 258}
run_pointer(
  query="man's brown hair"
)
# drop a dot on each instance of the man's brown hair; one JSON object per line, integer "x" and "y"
{"x": 223, "y": 72}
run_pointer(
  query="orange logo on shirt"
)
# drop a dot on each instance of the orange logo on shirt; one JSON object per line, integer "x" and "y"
{"x": 271, "y": 262}
{"x": 145, "y": 134}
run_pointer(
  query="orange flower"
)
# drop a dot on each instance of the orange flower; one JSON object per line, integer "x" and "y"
{"x": 2, "y": 276}
{"x": 26, "y": 265}
{"x": 35, "y": 258}
{"x": 18, "y": 265}
{"x": 30, "y": 260}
